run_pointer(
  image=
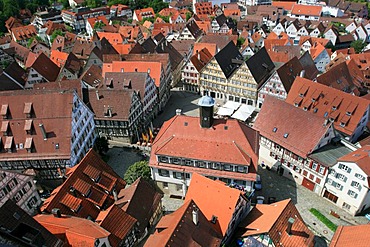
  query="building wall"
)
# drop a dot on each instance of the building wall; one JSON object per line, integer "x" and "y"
{"x": 274, "y": 87}
{"x": 186, "y": 35}
{"x": 340, "y": 183}
{"x": 322, "y": 60}
{"x": 33, "y": 77}
{"x": 21, "y": 189}
{"x": 190, "y": 77}
{"x": 360, "y": 127}
{"x": 102, "y": 242}
{"x": 83, "y": 130}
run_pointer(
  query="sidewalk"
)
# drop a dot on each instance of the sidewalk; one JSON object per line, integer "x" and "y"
{"x": 304, "y": 199}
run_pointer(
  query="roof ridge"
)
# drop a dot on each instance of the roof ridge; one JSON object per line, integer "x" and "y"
{"x": 164, "y": 143}
{"x": 165, "y": 130}
{"x": 241, "y": 150}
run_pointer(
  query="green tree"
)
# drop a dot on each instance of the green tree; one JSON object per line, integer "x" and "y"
{"x": 358, "y": 45}
{"x": 55, "y": 34}
{"x": 240, "y": 42}
{"x": 138, "y": 169}
{"x": 93, "y": 3}
{"x": 188, "y": 15}
{"x": 98, "y": 25}
{"x": 101, "y": 145}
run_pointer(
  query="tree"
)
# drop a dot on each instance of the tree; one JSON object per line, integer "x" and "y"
{"x": 188, "y": 15}
{"x": 240, "y": 41}
{"x": 55, "y": 34}
{"x": 93, "y": 3}
{"x": 138, "y": 169}
{"x": 99, "y": 25}
{"x": 101, "y": 145}
{"x": 358, "y": 45}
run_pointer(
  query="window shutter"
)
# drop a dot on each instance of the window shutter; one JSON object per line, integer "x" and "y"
{"x": 341, "y": 187}
{"x": 355, "y": 195}
{"x": 334, "y": 183}
{"x": 345, "y": 179}
{"x": 311, "y": 164}
{"x": 349, "y": 192}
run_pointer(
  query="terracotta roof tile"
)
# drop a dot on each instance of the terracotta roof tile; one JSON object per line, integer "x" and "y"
{"x": 310, "y": 10}
{"x": 144, "y": 13}
{"x": 289, "y": 120}
{"x": 223, "y": 200}
{"x": 329, "y": 98}
{"x": 360, "y": 157}
{"x": 351, "y": 236}
{"x": 24, "y": 32}
{"x": 46, "y": 68}
{"x": 69, "y": 197}
{"x": 272, "y": 219}
{"x": 178, "y": 229}
{"x": 201, "y": 58}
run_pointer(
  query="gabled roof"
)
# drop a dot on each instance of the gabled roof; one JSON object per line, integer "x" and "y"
{"x": 17, "y": 224}
{"x": 118, "y": 101}
{"x": 226, "y": 58}
{"x": 144, "y": 13}
{"x": 83, "y": 193}
{"x": 310, "y": 10}
{"x": 214, "y": 199}
{"x": 360, "y": 157}
{"x": 20, "y": 51}
{"x": 221, "y": 40}
{"x": 73, "y": 64}
{"x": 113, "y": 38}
{"x": 357, "y": 235}
{"x": 200, "y": 59}
{"x": 73, "y": 230}
{"x": 12, "y": 78}
{"x": 92, "y": 76}
{"x": 287, "y": 126}
{"x": 329, "y": 103}
{"x": 24, "y": 32}
{"x": 272, "y": 219}
{"x": 339, "y": 77}
{"x": 211, "y": 47}
{"x": 237, "y": 144}
{"x": 260, "y": 65}
{"x": 308, "y": 66}
{"x": 45, "y": 67}
{"x": 117, "y": 222}
{"x": 288, "y": 72}
{"x": 58, "y": 57}
{"x": 82, "y": 48}
{"x": 140, "y": 200}
{"x": 178, "y": 229}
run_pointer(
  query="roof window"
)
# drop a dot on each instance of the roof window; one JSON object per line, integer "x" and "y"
{"x": 286, "y": 135}
{"x": 274, "y": 130}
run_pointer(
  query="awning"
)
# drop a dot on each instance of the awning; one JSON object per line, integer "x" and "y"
{"x": 231, "y": 105}
{"x": 223, "y": 111}
{"x": 244, "y": 112}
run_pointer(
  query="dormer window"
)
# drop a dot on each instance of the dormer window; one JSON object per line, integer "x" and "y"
{"x": 348, "y": 113}
{"x": 301, "y": 95}
{"x": 28, "y": 110}
{"x": 274, "y": 129}
{"x": 305, "y": 108}
{"x": 342, "y": 124}
{"x": 28, "y": 126}
{"x": 5, "y": 111}
{"x": 286, "y": 135}
{"x": 5, "y": 128}
{"x": 28, "y": 145}
{"x": 334, "y": 108}
{"x": 9, "y": 144}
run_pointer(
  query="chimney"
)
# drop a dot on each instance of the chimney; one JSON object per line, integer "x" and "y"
{"x": 326, "y": 122}
{"x": 289, "y": 226}
{"x": 56, "y": 212}
{"x": 42, "y": 128}
{"x": 198, "y": 54}
{"x": 97, "y": 94}
{"x": 115, "y": 195}
{"x": 302, "y": 73}
{"x": 195, "y": 216}
{"x": 109, "y": 111}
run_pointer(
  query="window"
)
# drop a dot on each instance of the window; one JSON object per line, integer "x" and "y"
{"x": 179, "y": 187}
{"x": 332, "y": 173}
{"x": 356, "y": 185}
{"x": 359, "y": 176}
{"x": 314, "y": 166}
{"x": 178, "y": 175}
{"x": 163, "y": 173}
{"x": 241, "y": 169}
{"x": 321, "y": 170}
{"x": 338, "y": 186}
{"x": 12, "y": 183}
{"x": 165, "y": 185}
{"x": 163, "y": 159}
{"x": 32, "y": 202}
{"x": 351, "y": 193}
{"x": 346, "y": 206}
{"x": 344, "y": 168}
{"x": 227, "y": 167}
{"x": 341, "y": 177}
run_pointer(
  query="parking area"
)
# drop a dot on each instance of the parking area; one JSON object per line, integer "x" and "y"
{"x": 274, "y": 185}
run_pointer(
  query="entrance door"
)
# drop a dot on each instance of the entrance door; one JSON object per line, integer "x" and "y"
{"x": 308, "y": 184}
{"x": 330, "y": 196}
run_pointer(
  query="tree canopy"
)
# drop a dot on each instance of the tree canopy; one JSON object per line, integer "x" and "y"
{"x": 138, "y": 169}
{"x": 101, "y": 145}
{"x": 358, "y": 45}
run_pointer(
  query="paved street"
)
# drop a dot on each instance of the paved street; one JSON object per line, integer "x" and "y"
{"x": 304, "y": 199}
{"x": 185, "y": 101}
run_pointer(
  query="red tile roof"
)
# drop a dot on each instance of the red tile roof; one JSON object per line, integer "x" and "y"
{"x": 293, "y": 122}
{"x": 288, "y": 6}
{"x": 154, "y": 68}
{"x": 24, "y": 32}
{"x": 360, "y": 157}
{"x": 113, "y": 38}
{"x": 178, "y": 229}
{"x": 144, "y": 13}
{"x": 310, "y": 10}
{"x": 58, "y": 57}
{"x": 45, "y": 67}
{"x": 49, "y": 108}
{"x": 214, "y": 199}
{"x": 326, "y": 99}
{"x": 93, "y": 177}
{"x": 346, "y": 236}
{"x": 73, "y": 230}
{"x": 227, "y": 141}
{"x": 201, "y": 58}
{"x": 119, "y": 223}
{"x": 141, "y": 201}
{"x": 272, "y": 219}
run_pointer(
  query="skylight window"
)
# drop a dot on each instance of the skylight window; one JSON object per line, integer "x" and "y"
{"x": 274, "y": 130}
{"x": 286, "y": 135}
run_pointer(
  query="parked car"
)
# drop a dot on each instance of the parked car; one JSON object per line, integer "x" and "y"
{"x": 258, "y": 184}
